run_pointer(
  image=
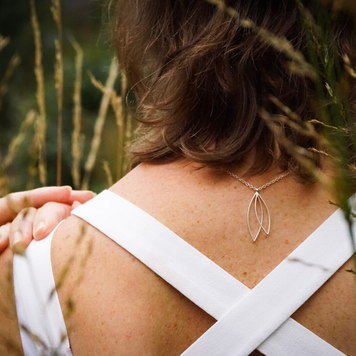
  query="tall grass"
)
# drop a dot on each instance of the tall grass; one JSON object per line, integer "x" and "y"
{"x": 99, "y": 124}
{"x": 76, "y": 135}
{"x": 111, "y": 106}
{"x": 14, "y": 63}
{"x": 39, "y": 142}
{"x": 334, "y": 115}
{"x": 323, "y": 67}
{"x": 334, "y": 112}
{"x": 58, "y": 75}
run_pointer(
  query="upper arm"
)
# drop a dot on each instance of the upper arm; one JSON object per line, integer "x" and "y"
{"x": 103, "y": 291}
{"x": 10, "y": 341}
{"x": 117, "y": 305}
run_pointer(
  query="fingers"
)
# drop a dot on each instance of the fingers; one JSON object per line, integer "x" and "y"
{"x": 20, "y": 234}
{"x": 81, "y": 196}
{"x": 13, "y": 203}
{"x": 75, "y": 205}
{"x": 48, "y": 217}
{"x": 40, "y": 196}
{"x": 4, "y": 237}
{"x": 54, "y": 203}
{"x": 33, "y": 223}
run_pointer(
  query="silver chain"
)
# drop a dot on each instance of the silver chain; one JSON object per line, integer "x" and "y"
{"x": 262, "y": 186}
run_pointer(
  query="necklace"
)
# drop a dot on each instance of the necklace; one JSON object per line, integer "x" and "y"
{"x": 257, "y": 200}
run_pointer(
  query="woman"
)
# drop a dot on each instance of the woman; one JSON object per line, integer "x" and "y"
{"x": 153, "y": 287}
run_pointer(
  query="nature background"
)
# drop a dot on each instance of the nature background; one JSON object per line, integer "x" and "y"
{"x": 50, "y": 48}
{"x": 63, "y": 112}
{"x": 73, "y": 37}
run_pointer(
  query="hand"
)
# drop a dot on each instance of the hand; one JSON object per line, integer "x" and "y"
{"x": 54, "y": 203}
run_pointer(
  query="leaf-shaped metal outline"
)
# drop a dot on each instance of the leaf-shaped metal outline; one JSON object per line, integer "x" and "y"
{"x": 262, "y": 204}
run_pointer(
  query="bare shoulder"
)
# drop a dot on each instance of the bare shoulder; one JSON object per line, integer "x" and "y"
{"x": 96, "y": 280}
{"x": 331, "y": 311}
{"x": 114, "y": 304}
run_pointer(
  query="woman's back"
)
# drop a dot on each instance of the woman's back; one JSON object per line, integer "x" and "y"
{"x": 217, "y": 91}
{"x": 121, "y": 307}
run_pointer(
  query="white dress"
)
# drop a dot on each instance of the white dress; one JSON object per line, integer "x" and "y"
{"x": 246, "y": 319}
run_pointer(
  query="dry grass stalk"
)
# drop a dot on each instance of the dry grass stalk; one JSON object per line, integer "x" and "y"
{"x": 108, "y": 173}
{"x": 99, "y": 124}
{"x": 116, "y": 102}
{"x": 17, "y": 141}
{"x": 119, "y": 111}
{"x": 348, "y": 66}
{"x": 296, "y": 123}
{"x": 4, "y": 41}
{"x": 58, "y": 76}
{"x": 4, "y": 180}
{"x": 281, "y": 44}
{"x": 84, "y": 261}
{"x": 292, "y": 115}
{"x": 14, "y": 62}
{"x": 128, "y": 138}
{"x": 33, "y": 166}
{"x": 335, "y": 128}
{"x": 320, "y": 152}
{"x": 85, "y": 247}
{"x": 77, "y": 116}
{"x": 120, "y": 117}
{"x": 124, "y": 131}
{"x": 303, "y": 155}
{"x": 97, "y": 84}
{"x": 34, "y": 337}
{"x": 40, "y": 134}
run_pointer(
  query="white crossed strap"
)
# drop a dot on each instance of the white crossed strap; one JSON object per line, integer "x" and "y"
{"x": 246, "y": 319}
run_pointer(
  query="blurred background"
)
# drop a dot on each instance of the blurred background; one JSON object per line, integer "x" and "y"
{"x": 87, "y": 23}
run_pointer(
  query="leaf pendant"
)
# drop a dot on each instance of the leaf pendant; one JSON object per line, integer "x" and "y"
{"x": 259, "y": 207}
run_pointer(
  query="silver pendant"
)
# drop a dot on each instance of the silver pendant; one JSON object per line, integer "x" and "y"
{"x": 259, "y": 207}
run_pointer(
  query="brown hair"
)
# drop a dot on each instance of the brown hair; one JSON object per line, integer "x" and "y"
{"x": 201, "y": 78}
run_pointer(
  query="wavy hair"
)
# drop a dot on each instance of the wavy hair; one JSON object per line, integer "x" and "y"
{"x": 201, "y": 78}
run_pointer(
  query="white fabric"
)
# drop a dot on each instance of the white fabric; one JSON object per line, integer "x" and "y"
{"x": 37, "y": 302}
{"x": 193, "y": 274}
{"x": 280, "y": 294}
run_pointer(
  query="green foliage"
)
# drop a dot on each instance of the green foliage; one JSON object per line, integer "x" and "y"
{"x": 82, "y": 20}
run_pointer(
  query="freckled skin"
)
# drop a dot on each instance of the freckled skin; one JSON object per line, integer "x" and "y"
{"x": 122, "y": 308}
{"x": 142, "y": 315}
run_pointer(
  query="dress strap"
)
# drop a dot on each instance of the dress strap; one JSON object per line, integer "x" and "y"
{"x": 42, "y": 327}
{"x": 266, "y": 307}
{"x": 196, "y": 276}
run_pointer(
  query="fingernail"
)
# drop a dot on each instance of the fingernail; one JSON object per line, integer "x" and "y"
{"x": 16, "y": 243}
{"x": 17, "y": 237}
{"x": 40, "y": 228}
{"x": 75, "y": 204}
